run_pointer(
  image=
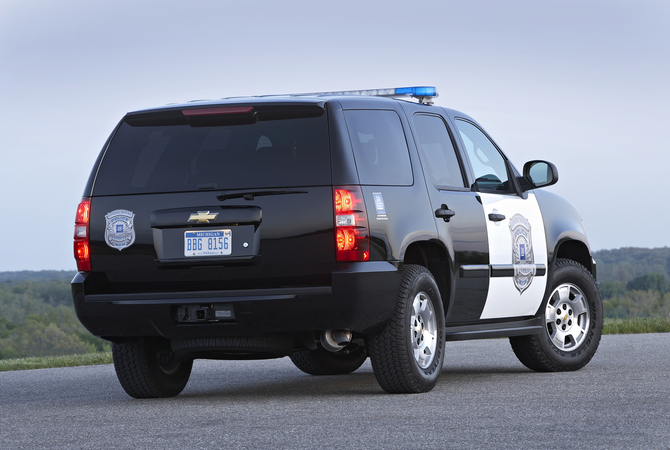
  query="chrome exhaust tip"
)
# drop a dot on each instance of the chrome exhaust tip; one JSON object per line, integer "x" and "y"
{"x": 335, "y": 340}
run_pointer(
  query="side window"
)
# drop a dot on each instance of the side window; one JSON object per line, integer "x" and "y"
{"x": 380, "y": 148}
{"x": 437, "y": 151}
{"x": 487, "y": 162}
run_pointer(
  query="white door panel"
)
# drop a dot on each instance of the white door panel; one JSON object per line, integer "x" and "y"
{"x": 518, "y": 256}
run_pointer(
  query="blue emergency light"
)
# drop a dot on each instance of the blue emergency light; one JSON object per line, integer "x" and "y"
{"x": 418, "y": 91}
{"x": 424, "y": 94}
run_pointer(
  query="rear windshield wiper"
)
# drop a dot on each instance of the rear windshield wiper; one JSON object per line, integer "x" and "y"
{"x": 249, "y": 195}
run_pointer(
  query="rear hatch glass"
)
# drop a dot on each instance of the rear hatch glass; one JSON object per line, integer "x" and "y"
{"x": 272, "y": 146}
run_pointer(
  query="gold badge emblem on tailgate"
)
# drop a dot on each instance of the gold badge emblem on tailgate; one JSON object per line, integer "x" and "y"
{"x": 202, "y": 217}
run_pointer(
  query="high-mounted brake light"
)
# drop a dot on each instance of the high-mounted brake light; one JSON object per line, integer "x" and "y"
{"x": 425, "y": 94}
{"x": 217, "y": 111}
{"x": 82, "y": 252}
{"x": 352, "y": 235}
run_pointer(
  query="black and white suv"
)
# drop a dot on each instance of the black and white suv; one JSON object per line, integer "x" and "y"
{"x": 326, "y": 227}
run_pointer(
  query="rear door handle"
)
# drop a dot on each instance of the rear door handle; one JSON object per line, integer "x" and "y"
{"x": 445, "y": 213}
{"x": 496, "y": 217}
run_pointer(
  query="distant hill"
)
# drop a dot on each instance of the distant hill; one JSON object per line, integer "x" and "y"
{"x": 624, "y": 264}
{"x": 634, "y": 282}
{"x": 37, "y": 316}
{"x": 41, "y": 275}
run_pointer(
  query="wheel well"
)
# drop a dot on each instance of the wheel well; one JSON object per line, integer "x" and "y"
{"x": 576, "y": 251}
{"x": 433, "y": 258}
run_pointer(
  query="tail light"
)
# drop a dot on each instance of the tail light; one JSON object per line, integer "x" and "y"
{"x": 82, "y": 247}
{"x": 352, "y": 235}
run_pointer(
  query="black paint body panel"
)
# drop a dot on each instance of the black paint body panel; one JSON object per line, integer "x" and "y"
{"x": 361, "y": 298}
{"x": 284, "y": 277}
{"x": 562, "y": 223}
{"x": 292, "y": 226}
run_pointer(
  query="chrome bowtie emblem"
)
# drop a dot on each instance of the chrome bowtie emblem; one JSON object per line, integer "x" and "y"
{"x": 202, "y": 217}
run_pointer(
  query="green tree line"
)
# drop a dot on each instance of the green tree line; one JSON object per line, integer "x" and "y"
{"x": 634, "y": 282}
{"x": 37, "y": 317}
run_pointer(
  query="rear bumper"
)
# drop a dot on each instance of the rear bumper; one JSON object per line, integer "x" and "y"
{"x": 362, "y": 297}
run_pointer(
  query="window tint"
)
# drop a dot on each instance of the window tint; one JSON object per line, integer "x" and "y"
{"x": 487, "y": 162}
{"x": 380, "y": 149}
{"x": 170, "y": 158}
{"x": 437, "y": 151}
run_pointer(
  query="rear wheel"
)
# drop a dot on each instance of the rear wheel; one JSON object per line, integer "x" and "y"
{"x": 407, "y": 356}
{"x": 573, "y": 322}
{"x": 323, "y": 362}
{"x": 147, "y": 368}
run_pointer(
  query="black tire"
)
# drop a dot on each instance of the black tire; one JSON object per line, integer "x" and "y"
{"x": 392, "y": 352}
{"x": 323, "y": 362}
{"x": 571, "y": 338}
{"x": 147, "y": 368}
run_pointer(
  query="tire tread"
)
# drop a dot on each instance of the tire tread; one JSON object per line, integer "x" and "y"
{"x": 390, "y": 359}
{"x": 137, "y": 377}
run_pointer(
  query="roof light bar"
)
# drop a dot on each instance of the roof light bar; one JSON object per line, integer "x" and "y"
{"x": 424, "y": 94}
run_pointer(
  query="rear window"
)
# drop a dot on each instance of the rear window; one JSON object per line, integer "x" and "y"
{"x": 380, "y": 148}
{"x": 168, "y": 153}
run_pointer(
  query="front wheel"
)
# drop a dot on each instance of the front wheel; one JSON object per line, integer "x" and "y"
{"x": 573, "y": 322}
{"x": 407, "y": 356}
{"x": 147, "y": 368}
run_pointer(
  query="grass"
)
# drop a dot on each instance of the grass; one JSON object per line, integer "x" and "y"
{"x": 637, "y": 326}
{"x": 611, "y": 326}
{"x": 48, "y": 362}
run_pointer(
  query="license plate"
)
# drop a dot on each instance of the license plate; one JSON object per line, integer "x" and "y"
{"x": 208, "y": 243}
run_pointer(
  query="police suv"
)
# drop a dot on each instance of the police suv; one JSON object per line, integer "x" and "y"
{"x": 326, "y": 227}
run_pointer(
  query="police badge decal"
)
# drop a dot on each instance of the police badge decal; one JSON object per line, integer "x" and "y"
{"x": 119, "y": 229}
{"x": 522, "y": 252}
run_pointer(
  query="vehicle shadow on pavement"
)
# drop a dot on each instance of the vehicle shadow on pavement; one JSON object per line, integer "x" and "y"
{"x": 292, "y": 383}
{"x": 299, "y": 385}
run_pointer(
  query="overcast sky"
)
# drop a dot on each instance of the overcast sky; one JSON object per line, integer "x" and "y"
{"x": 584, "y": 84}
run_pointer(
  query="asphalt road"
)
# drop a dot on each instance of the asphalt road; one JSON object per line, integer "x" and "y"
{"x": 485, "y": 399}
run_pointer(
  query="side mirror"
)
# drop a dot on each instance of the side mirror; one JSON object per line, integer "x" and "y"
{"x": 538, "y": 174}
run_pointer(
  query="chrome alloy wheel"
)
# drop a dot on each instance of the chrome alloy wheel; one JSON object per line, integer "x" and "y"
{"x": 423, "y": 330}
{"x": 567, "y": 317}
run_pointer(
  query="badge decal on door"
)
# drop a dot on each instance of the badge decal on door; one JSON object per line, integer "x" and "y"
{"x": 522, "y": 252}
{"x": 119, "y": 229}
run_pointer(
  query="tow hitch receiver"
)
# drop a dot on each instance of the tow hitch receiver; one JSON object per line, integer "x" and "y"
{"x": 205, "y": 313}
